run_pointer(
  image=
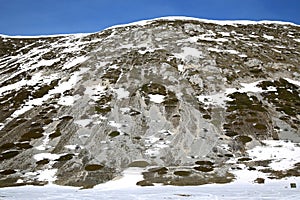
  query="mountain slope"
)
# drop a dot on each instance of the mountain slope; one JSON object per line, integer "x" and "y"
{"x": 187, "y": 99}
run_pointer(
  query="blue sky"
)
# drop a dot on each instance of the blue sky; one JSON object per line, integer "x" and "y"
{"x": 39, "y": 17}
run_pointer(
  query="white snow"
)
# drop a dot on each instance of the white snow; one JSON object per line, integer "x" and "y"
{"x": 230, "y": 51}
{"x": 121, "y": 93}
{"x": 73, "y": 146}
{"x": 250, "y": 87}
{"x": 293, "y": 81}
{"x": 75, "y": 62}
{"x": 123, "y": 189}
{"x": 49, "y": 156}
{"x": 220, "y": 22}
{"x": 47, "y": 175}
{"x": 156, "y": 98}
{"x": 282, "y": 153}
{"x": 220, "y": 98}
{"x": 180, "y": 68}
{"x": 268, "y": 37}
{"x": 297, "y": 40}
{"x": 83, "y": 122}
{"x": 128, "y": 180}
{"x": 66, "y": 101}
{"x": 225, "y": 34}
{"x": 115, "y": 124}
{"x": 46, "y": 63}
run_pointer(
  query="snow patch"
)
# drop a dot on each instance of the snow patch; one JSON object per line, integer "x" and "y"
{"x": 83, "y": 122}
{"x": 115, "y": 124}
{"x": 46, "y": 63}
{"x": 47, "y": 175}
{"x": 73, "y": 147}
{"x": 66, "y": 101}
{"x": 283, "y": 154}
{"x": 231, "y": 51}
{"x": 122, "y": 93}
{"x": 293, "y": 82}
{"x": 128, "y": 180}
{"x": 156, "y": 98}
{"x": 268, "y": 37}
{"x": 49, "y": 156}
{"x": 75, "y": 62}
{"x": 180, "y": 68}
{"x": 297, "y": 40}
{"x": 219, "y": 99}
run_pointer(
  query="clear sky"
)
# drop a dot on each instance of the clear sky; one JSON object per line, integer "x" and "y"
{"x": 40, "y": 17}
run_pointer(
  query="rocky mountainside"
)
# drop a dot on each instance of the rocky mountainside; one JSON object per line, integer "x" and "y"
{"x": 187, "y": 100}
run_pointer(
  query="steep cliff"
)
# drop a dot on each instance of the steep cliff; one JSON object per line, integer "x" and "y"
{"x": 185, "y": 99}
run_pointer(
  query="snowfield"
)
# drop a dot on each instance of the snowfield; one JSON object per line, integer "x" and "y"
{"x": 126, "y": 189}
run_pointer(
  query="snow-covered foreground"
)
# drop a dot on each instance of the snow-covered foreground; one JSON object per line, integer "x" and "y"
{"x": 125, "y": 188}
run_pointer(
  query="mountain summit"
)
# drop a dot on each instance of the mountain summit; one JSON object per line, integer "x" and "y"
{"x": 189, "y": 101}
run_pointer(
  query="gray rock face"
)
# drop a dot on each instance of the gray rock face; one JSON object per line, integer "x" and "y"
{"x": 178, "y": 97}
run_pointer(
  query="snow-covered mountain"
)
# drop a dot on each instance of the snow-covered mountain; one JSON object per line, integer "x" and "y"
{"x": 189, "y": 101}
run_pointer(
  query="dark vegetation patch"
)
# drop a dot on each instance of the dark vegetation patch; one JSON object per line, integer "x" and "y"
{"x": 206, "y": 116}
{"x": 259, "y": 180}
{"x": 65, "y": 157}
{"x": 247, "y": 119}
{"x": 183, "y": 177}
{"x": 204, "y": 168}
{"x": 182, "y": 173}
{"x": 144, "y": 183}
{"x": 112, "y": 75}
{"x": 93, "y": 167}
{"x": 43, "y": 162}
{"x": 7, "y": 146}
{"x": 204, "y": 162}
{"x": 23, "y": 145}
{"x": 286, "y": 98}
{"x": 63, "y": 123}
{"x": 8, "y": 172}
{"x": 154, "y": 88}
{"x": 244, "y": 159}
{"x": 114, "y": 134}
{"x": 8, "y": 155}
{"x": 139, "y": 163}
{"x": 103, "y": 104}
{"x": 231, "y": 133}
{"x": 56, "y": 134}
{"x": 243, "y": 138}
{"x": 32, "y": 134}
{"x": 159, "y": 170}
